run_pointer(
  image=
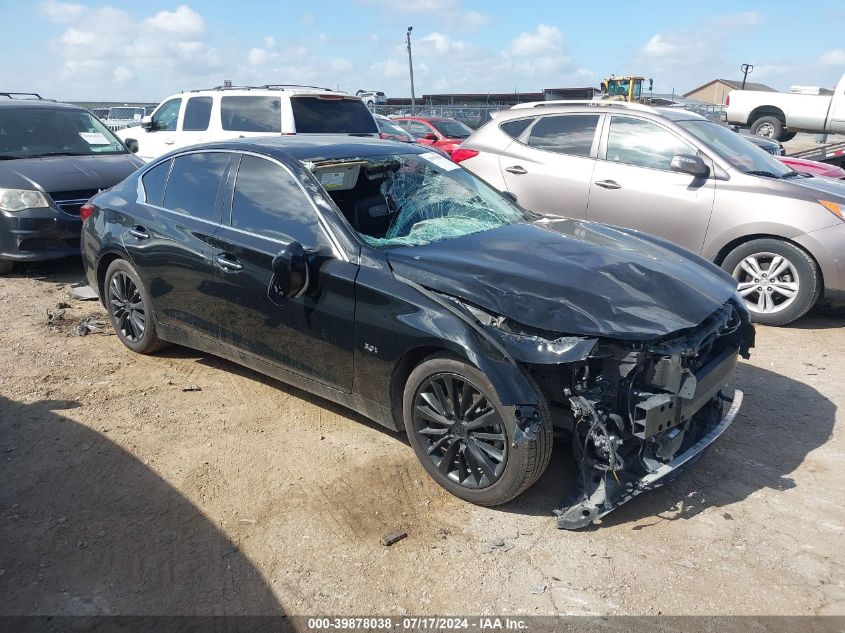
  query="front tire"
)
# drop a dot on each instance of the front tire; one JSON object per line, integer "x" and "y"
{"x": 778, "y": 280}
{"x": 463, "y": 435}
{"x": 130, "y": 308}
{"x": 6, "y": 266}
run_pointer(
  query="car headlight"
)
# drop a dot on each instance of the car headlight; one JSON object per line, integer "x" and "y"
{"x": 20, "y": 199}
{"x": 834, "y": 207}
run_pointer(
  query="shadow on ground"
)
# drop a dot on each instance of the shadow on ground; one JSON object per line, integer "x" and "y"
{"x": 780, "y": 422}
{"x": 87, "y": 529}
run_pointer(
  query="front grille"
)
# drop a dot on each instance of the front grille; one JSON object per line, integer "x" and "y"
{"x": 71, "y": 201}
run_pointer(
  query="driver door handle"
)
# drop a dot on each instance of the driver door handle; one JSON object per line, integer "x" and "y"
{"x": 229, "y": 263}
{"x": 168, "y": 141}
{"x": 139, "y": 232}
{"x": 608, "y": 184}
{"x": 516, "y": 169}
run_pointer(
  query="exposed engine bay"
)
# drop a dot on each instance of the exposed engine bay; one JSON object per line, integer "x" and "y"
{"x": 633, "y": 409}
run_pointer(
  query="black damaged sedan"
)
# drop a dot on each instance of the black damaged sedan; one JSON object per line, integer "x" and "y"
{"x": 388, "y": 279}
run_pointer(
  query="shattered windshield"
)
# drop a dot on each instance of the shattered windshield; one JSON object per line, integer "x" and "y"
{"x": 413, "y": 199}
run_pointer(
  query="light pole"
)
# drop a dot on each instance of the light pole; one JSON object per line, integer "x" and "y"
{"x": 411, "y": 68}
{"x": 745, "y": 68}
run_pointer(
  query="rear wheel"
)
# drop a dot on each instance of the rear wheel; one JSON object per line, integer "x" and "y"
{"x": 130, "y": 308}
{"x": 768, "y": 127}
{"x": 787, "y": 136}
{"x": 6, "y": 266}
{"x": 778, "y": 281}
{"x": 463, "y": 436}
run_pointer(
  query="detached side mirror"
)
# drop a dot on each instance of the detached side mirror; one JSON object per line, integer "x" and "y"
{"x": 131, "y": 145}
{"x": 510, "y": 195}
{"x": 291, "y": 274}
{"x": 690, "y": 164}
{"x": 147, "y": 122}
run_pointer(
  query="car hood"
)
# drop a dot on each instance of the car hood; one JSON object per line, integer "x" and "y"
{"x": 572, "y": 277}
{"x": 822, "y": 186}
{"x": 67, "y": 173}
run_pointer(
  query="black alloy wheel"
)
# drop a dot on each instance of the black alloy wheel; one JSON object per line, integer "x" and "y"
{"x": 127, "y": 307}
{"x": 461, "y": 431}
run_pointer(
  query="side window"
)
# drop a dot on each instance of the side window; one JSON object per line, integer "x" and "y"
{"x": 165, "y": 117}
{"x": 569, "y": 134}
{"x": 515, "y": 128}
{"x": 197, "y": 114}
{"x": 251, "y": 114}
{"x": 269, "y": 202}
{"x": 193, "y": 183}
{"x": 419, "y": 129}
{"x": 642, "y": 143}
{"x": 154, "y": 181}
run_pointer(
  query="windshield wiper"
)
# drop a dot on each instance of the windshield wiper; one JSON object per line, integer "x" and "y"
{"x": 57, "y": 154}
{"x": 794, "y": 174}
{"x": 758, "y": 172}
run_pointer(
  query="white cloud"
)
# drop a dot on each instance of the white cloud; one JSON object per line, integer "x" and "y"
{"x": 60, "y": 11}
{"x": 184, "y": 21}
{"x": 544, "y": 40}
{"x": 122, "y": 73}
{"x": 835, "y": 57}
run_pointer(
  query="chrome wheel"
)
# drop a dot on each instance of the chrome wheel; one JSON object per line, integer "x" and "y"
{"x": 460, "y": 430}
{"x": 767, "y": 282}
{"x": 127, "y": 307}
{"x": 766, "y": 130}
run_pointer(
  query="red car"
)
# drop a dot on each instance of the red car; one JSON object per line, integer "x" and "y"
{"x": 442, "y": 133}
{"x": 812, "y": 167}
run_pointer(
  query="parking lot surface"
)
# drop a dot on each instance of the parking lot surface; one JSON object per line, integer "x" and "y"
{"x": 183, "y": 484}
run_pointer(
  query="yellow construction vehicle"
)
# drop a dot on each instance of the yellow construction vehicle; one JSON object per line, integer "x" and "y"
{"x": 624, "y": 88}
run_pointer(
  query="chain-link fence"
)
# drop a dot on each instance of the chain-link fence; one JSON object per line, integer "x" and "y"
{"x": 121, "y": 114}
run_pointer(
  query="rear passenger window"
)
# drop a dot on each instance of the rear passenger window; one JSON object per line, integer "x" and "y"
{"x": 515, "y": 128}
{"x": 154, "y": 181}
{"x": 637, "y": 142}
{"x": 251, "y": 114}
{"x": 197, "y": 114}
{"x": 569, "y": 134}
{"x": 269, "y": 202}
{"x": 193, "y": 183}
{"x": 320, "y": 115}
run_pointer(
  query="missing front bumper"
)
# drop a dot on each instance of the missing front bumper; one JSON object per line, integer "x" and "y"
{"x": 609, "y": 494}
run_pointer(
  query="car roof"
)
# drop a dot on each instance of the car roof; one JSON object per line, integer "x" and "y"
{"x": 596, "y": 107}
{"x": 317, "y": 147}
{"x": 36, "y": 103}
{"x": 269, "y": 89}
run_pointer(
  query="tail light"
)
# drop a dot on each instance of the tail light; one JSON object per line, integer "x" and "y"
{"x": 727, "y": 101}
{"x": 461, "y": 154}
{"x": 85, "y": 211}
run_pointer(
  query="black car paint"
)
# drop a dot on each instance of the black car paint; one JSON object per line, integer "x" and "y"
{"x": 371, "y": 316}
{"x": 53, "y": 232}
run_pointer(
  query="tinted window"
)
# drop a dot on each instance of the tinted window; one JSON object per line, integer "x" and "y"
{"x": 321, "y": 115}
{"x": 251, "y": 114}
{"x": 269, "y": 202}
{"x": 26, "y": 132}
{"x": 154, "y": 181}
{"x": 194, "y": 180}
{"x": 570, "y": 134}
{"x": 452, "y": 129}
{"x": 638, "y": 142}
{"x": 419, "y": 129}
{"x": 165, "y": 117}
{"x": 197, "y": 114}
{"x": 515, "y": 128}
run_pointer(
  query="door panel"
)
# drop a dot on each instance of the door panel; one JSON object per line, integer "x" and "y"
{"x": 170, "y": 239}
{"x": 194, "y": 122}
{"x": 161, "y": 138}
{"x": 310, "y": 335}
{"x": 837, "y": 109}
{"x": 549, "y": 166}
{"x": 634, "y": 187}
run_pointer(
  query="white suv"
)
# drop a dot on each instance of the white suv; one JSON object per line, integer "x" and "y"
{"x": 234, "y": 112}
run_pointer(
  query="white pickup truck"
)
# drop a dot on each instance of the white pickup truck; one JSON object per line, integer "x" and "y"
{"x": 781, "y": 115}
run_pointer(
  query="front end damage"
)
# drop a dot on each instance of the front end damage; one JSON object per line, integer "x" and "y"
{"x": 637, "y": 412}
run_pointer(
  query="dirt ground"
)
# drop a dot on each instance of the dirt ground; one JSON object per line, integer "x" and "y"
{"x": 183, "y": 484}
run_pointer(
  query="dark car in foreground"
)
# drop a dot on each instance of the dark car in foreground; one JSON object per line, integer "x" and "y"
{"x": 53, "y": 158}
{"x": 388, "y": 279}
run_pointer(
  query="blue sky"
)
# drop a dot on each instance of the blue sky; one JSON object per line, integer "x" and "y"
{"x": 149, "y": 49}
